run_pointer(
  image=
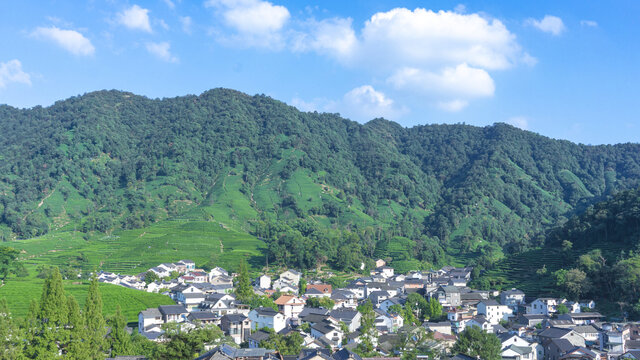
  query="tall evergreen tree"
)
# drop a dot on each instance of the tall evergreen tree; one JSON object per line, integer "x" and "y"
{"x": 53, "y": 304}
{"x": 243, "y": 286}
{"x": 96, "y": 326}
{"x": 120, "y": 338}
{"x": 78, "y": 347}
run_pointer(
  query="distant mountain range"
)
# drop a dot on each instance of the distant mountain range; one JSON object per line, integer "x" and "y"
{"x": 112, "y": 159}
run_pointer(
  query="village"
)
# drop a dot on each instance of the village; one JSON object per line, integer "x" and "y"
{"x": 330, "y": 324}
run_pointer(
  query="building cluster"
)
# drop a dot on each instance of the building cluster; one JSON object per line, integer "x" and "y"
{"x": 528, "y": 328}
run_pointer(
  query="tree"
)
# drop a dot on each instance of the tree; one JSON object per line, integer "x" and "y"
{"x": 302, "y": 286}
{"x": 186, "y": 344}
{"x": 478, "y": 344}
{"x": 8, "y": 263}
{"x": 150, "y": 277}
{"x": 120, "y": 338}
{"x": 286, "y": 345}
{"x": 94, "y": 321}
{"x": 78, "y": 347}
{"x": 320, "y": 302}
{"x": 53, "y": 303}
{"x": 11, "y": 336}
{"x": 562, "y": 309}
{"x": 435, "y": 309}
{"x": 419, "y": 305}
{"x": 576, "y": 283}
{"x": 244, "y": 291}
{"x": 367, "y": 328}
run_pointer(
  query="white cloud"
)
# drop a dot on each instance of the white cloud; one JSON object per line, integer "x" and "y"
{"x": 460, "y": 9}
{"x": 170, "y": 4}
{"x": 549, "y": 24}
{"x": 365, "y": 103}
{"x": 162, "y": 24}
{"x": 256, "y": 23}
{"x": 519, "y": 122}
{"x": 334, "y": 37}
{"x": 11, "y": 72}
{"x": 70, "y": 40}
{"x": 187, "y": 23}
{"x": 161, "y": 50}
{"x": 461, "y": 80}
{"x": 135, "y": 18}
{"x": 589, "y": 23}
{"x": 401, "y": 37}
{"x": 453, "y": 105}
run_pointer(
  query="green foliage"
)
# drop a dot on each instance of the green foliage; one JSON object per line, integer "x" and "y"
{"x": 186, "y": 344}
{"x": 94, "y": 321}
{"x": 367, "y": 328}
{"x": 8, "y": 263}
{"x": 476, "y": 343}
{"x": 243, "y": 290}
{"x": 290, "y": 344}
{"x": 320, "y": 302}
{"x": 110, "y": 160}
{"x": 120, "y": 340}
{"x": 11, "y": 336}
{"x": 562, "y": 309}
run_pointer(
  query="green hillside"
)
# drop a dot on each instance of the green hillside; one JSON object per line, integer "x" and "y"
{"x": 119, "y": 168}
{"x": 593, "y": 255}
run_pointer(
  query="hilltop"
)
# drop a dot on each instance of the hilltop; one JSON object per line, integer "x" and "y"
{"x": 304, "y": 183}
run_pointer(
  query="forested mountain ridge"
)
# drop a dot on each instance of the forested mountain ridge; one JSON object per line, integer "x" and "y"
{"x": 112, "y": 159}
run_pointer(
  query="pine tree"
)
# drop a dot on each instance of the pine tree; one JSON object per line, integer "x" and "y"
{"x": 120, "y": 338}
{"x": 96, "y": 327}
{"x": 243, "y": 287}
{"x": 10, "y": 334}
{"x": 78, "y": 347}
{"x": 53, "y": 304}
{"x": 46, "y": 324}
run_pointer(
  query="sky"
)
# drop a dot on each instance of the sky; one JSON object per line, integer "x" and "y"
{"x": 564, "y": 69}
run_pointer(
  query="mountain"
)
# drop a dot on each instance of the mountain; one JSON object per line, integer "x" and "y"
{"x": 593, "y": 255}
{"x": 111, "y": 159}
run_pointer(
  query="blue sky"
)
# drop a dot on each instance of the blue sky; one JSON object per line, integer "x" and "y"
{"x": 564, "y": 69}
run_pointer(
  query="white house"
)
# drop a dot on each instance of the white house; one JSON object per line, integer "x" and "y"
{"x": 543, "y": 306}
{"x": 493, "y": 311}
{"x": 219, "y": 304}
{"x": 285, "y": 286}
{"x": 291, "y": 276}
{"x": 264, "y": 282}
{"x": 512, "y": 298}
{"x": 190, "y": 297}
{"x": 148, "y": 318}
{"x": 267, "y": 317}
{"x": 291, "y": 306}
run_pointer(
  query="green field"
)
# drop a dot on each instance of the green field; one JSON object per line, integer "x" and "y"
{"x": 127, "y": 252}
{"x": 135, "y": 251}
{"x": 20, "y": 292}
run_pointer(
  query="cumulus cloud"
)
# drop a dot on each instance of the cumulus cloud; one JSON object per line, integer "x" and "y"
{"x": 135, "y": 18}
{"x": 461, "y": 80}
{"x": 255, "y": 22}
{"x": 333, "y": 37}
{"x": 424, "y": 37}
{"x": 161, "y": 50}
{"x": 170, "y": 4}
{"x": 588, "y": 23}
{"x": 70, "y": 40}
{"x": 519, "y": 122}
{"x": 365, "y": 103}
{"x": 11, "y": 72}
{"x": 549, "y": 24}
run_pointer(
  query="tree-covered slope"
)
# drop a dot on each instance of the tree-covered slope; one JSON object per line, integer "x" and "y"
{"x": 593, "y": 255}
{"x": 111, "y": 159}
